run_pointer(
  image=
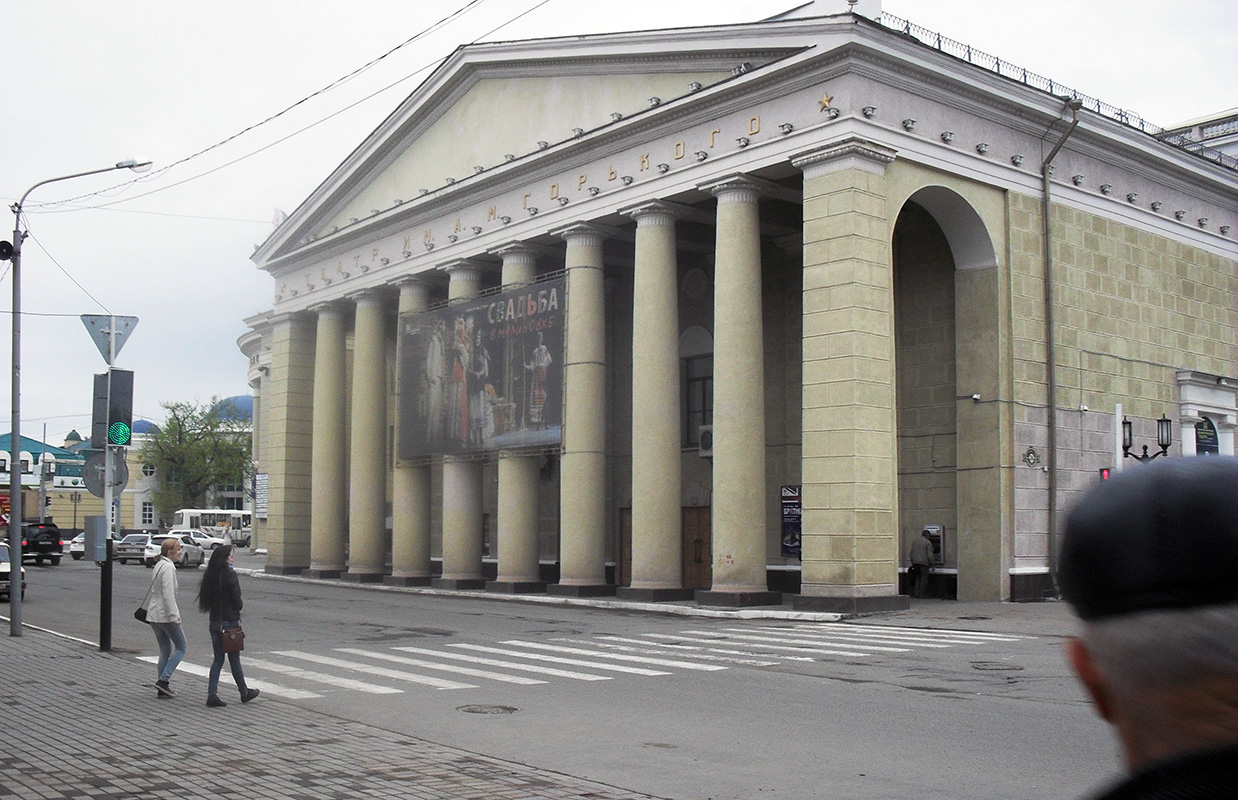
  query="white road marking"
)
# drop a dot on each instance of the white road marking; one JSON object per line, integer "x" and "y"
{"x": 382, "y": 672}
{"x": 580, "y": 651}
{"x": 494, "y": 662}
{"x": 704, "y": 653}
{"x": 819, "y": 650}
{"x": 844, "y": 640}
{"x": 556, "y": 660}
{"x": 453, "y": 668}
{"x": 270, "y": 688}
{"x": 319, "y": 677}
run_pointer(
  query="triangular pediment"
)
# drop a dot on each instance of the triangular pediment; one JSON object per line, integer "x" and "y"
{"x": 489, "y": 105}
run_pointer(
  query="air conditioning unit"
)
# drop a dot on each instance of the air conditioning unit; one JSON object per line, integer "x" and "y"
{"x": 705, "y": 441}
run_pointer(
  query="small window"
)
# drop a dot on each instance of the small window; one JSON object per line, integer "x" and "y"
{"x": 148, "y": 470}
{"x": 698, "y": 407}
{"x": 148, "y": 513}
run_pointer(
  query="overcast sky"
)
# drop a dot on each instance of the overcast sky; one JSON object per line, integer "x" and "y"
{"x": 90, "y": 83}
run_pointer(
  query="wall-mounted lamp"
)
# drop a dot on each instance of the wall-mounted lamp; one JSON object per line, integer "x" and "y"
{"x": 1225, "y": 230}
{"x": 1016, "y": 159}
{"x": 909, "y": 124}
{"x": 627, "y": 180}
{"x": 743, "y": 141}
{"x": 947, "y": 136}
{"x": 701, "y": 155}
{"x": 1157, "y": 205}
{"x": 1132, "y": 197}
{"x": 832, "y": 113}
{"x": 595, "y": 190}
{"x": 578, "y": 131}
{"x": 869, "y": 111}
{"x": 476, "y": 229}
{"x": 1106, "y": 188}
{"x": 532, "y": 211}
{"x": 975, "y": 398}
{"x": 1203, "y": 222}
{"x": 664, "y": 168}
{"x": 1179, "y": 215}
{"x": 1077, "y": 180}
{"x": 655, "y": 101}
{"x": 786, "y": 128}
{"x": 1164, "y": 438}
{"x": 563, "y": 201}
{"x": 982, "y": 148}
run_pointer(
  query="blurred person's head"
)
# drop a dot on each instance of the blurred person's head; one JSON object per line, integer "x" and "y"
{"x": 1149, "y": 562}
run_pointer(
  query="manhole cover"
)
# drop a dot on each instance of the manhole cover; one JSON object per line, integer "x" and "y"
{"x": 995, "y": 666}
{"x": 488, "y": 709}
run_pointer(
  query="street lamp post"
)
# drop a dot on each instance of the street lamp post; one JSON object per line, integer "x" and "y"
{"x": 1164, "y": 438}
{"x": 12, "y": 251}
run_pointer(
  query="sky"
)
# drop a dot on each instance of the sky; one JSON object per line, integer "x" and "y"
{"x": 191, "y": 85}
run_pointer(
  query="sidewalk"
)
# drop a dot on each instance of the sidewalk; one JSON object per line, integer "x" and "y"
{"x": 80, "y": 723}
{"x": 1049, "y": 618}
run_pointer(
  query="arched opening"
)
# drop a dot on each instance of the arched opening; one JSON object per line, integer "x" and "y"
{"x": 947, "y": 380}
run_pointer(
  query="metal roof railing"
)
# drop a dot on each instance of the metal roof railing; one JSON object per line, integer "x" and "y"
{"x": 992, "y": 63}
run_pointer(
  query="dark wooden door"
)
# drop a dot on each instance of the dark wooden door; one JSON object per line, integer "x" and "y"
{"x": 697, "y": 549}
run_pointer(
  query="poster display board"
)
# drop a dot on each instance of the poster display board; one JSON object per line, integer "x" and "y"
{"x": 482, "y": 374}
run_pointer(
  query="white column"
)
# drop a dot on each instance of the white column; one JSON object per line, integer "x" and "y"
{"x": 739, "y": 497}
{"x": 367, "y": 462}
{"x": 519, "y": 510}
{"x": 657, "y": 516}
{"x": 328, "y": 485}
{"x": 410, "y": 501}
{"x": 582, "y": 487}
{"x": 462, "y": 480}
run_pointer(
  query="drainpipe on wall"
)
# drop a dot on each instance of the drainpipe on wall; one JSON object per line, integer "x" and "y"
{"x": 1050, "y": 340}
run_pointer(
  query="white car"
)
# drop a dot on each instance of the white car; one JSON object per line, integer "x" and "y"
{"x": 136, "y": 547}
{"x": 6, "y": 576}
{"x": 77, "y": 547}
{"x": 192, "y": 555}
{"x": 203, "y": 539}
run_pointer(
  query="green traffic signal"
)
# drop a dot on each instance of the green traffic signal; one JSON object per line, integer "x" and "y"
{"x": 118, "y": 433}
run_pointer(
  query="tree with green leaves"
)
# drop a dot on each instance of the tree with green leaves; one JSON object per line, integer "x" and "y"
{"x": 197, "y": 448}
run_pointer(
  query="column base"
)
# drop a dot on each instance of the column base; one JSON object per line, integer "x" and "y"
{"x": 580, "y": 590}
{"x": 362, "y": 577}
{"x": 323, "y": 574}
{"x": 282, "y": 570}
{"x": 708, "y": 597}
{"x": 459, "y": 584}
{"x": 851, "y": 605}
{"x": 653, "y": 595}
{"x": 516, "y": 587}
{"x": 406, "y": 580}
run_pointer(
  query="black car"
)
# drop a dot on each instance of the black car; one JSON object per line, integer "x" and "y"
{"x": 41, "y": 542}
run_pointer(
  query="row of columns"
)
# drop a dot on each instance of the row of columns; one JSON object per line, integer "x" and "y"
{"x": 739, "y": 536}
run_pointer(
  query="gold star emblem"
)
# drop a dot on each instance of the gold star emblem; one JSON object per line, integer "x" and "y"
{"x": 825, "y": 101}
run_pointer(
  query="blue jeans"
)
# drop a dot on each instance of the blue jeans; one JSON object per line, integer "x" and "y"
{"x": 234, "y": 659}
{"x": 172, "y": 647}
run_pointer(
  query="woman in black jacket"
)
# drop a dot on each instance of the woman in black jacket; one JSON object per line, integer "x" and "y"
{"x": 220, "y": 595}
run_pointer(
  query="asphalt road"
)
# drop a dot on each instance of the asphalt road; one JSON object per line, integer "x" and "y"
{"x": 676, "y": 707}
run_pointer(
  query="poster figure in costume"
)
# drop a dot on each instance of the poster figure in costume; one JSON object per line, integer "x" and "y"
{"x": 479, "y": 406}
{"x": 537, "y": 391}
{"x": 435, "y": 388}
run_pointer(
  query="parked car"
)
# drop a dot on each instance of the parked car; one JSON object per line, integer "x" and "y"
{"x": 136, "y": 547}
{"x": 201, "y": 538}
{"x": 77, "y": 547}
{"x": 41, "y": 542}
{"x": 191, "y": 554}
{"x": 6, "y": 574}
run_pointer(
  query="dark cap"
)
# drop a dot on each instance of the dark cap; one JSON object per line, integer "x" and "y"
{"x": 1157, "y": 536}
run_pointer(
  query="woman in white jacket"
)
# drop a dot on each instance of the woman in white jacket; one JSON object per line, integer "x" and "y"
{"x": 165, "y": 617}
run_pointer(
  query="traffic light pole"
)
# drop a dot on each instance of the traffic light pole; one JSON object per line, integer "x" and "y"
{"x": 105, "y": 576}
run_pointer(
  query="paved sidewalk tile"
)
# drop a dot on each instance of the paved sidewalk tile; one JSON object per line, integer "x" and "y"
{"x": 83, "y": 724}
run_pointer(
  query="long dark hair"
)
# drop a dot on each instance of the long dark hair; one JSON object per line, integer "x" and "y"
{"x": 212, "y": 579}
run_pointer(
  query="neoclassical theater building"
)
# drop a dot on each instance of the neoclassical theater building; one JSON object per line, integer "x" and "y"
{"x": 735, "y": 312}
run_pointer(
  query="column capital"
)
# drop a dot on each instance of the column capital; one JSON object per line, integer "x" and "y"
{"x": 655, "y": 212}
{"x": 462, "y": 269}
{"x": 586, "y": 234}
{"x": 738, "y": 188}
{"x": 369, "y": 297}
{"x": 850, "y": 153}
{"x": 331, "y": 309}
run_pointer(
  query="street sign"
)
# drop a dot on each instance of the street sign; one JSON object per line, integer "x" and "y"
{"x": 93, "y": 473}
{"x": 108, "y": 331}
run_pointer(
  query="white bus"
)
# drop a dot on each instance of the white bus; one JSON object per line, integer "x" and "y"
{"x": 231, "y": 524}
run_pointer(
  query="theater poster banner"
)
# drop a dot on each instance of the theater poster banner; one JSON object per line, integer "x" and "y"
{"x": 483, "y": 374}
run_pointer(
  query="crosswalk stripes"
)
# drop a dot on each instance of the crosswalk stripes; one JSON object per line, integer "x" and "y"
{"x": 600, "y": 657}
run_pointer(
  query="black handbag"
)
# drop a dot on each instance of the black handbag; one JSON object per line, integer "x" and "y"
{"x": 140, "y": 614}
